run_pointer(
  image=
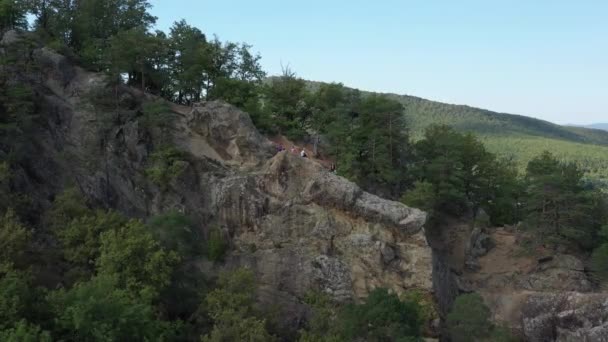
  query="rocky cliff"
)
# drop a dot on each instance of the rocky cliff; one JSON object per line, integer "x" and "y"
{"x": 298, "y": 226}
{"x": 540, "y": 295}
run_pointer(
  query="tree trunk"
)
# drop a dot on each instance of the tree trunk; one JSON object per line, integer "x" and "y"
{"x": 390, "y": 136}
{"x": 143, "y": 79}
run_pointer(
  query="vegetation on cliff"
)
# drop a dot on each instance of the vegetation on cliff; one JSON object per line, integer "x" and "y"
{"x": 116, "y": 278}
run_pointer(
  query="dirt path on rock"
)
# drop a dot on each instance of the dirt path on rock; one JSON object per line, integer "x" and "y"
{"x": 288, "y": 144}
{"x": 506, "y": 257}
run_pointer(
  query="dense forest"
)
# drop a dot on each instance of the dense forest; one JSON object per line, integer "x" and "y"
{"x": 120, "y": 279}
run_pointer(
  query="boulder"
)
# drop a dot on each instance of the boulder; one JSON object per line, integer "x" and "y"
{"x": 479, "y": 244}
{"x": 560, "y": 272}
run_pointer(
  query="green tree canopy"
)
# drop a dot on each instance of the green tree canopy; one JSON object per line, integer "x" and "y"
{"x": 558, "y": 207}
{"x": 458, "y": 176}
{"x": 231, "y": 306}
{"x": 81, "y": 237}
{"x": 14, "y": 238}
{"x": 136, "y": 259}
{"x": 12, "y": 15}
{"x": 469, "y": 319}
{"x": 383, "y": 317}
{"x": 100, "y": 310}
{"x": 25, "y": 332}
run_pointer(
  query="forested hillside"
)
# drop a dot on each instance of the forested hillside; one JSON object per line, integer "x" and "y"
{"x": 141, "y": 201}
{"x": 602, "y": 126}
{"x": 515, "y": 137}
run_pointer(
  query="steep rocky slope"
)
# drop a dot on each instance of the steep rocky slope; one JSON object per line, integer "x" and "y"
{"x": 541, "y": 295}
{"x": 296, "y": 225}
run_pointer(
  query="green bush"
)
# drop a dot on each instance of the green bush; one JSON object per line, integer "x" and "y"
{"x": 322, "y": 325}
{"x": 176, "y": 232}
{"x": 422, "y": 196}
{"x": 599, "y": 262}
{"x": 383, "y": 317}
{"x": 14, "y": 238}
{"x": 80, "y": 238}
{"x": 166, "y": 165}
{"x": 428, "y": 311}
{"x": 157, "y": 116}
{"x": 15, "y": 299}
{"x": 502, "y": 334}
{"x": 99, "y": 310}
{"x": 137, "y": 260}
{"x": 216, "y": 245}
{"x": 231, "y": 306}
{"x": 469, "y": 319}
{"x": 68, "y": 205}
{"x": 25, "y": 332}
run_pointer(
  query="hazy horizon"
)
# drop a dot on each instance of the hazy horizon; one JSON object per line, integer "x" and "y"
{"x": 544, "y": 59}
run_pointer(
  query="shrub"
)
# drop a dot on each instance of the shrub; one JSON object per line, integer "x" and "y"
{"x": 599, "y": 262}
{"x": 167, "y": 164}
{"x": 67, "y": 206}
{"x": 428, "y": 311}
{"x": 176, "y": 232}
{"x": 216, "y": 245}
{"x": 99, "y": 310}
{"x": 422, "y": 196}
{"x": 81, "y": 237}
{"x": 14, "y": 238}
{"x": 468, "y": 319}
{"x": 25, "y": 332}
{"x": 230, "y": 306}
{"x": 383, "y": 317}
{"x": 137, "y": 260}
{"x": 322, "y": 325}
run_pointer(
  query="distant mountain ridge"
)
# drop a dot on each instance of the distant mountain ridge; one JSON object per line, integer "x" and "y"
{"x": 516, "y": 137}
{"x": 421, "y": 113}
{"x": 602, "y": 126}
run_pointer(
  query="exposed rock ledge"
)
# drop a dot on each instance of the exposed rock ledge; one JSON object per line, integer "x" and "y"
{"x": 301, "y": 227}
{"x": 297, "y": 225}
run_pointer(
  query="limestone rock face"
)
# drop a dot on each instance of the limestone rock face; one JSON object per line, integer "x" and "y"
{"x": 312, "y": 229}
{"x": 566, "y": 317}
{"x": 222, "y": 132}
{"x": 298, "y": 226}
{"x": 562, "y": 272}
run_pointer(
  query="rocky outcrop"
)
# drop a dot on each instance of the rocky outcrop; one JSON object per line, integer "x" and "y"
{"x": 543, "y": 298}
{"x": 561, "y": 272}
{"x": 566, "y": 317}
{"x": 298, "y": 226}
{"x": 478, "y": 245}
{"x": 301, "y": 227}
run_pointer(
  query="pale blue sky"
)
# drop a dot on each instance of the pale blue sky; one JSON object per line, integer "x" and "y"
{"x": 541, "y": 58}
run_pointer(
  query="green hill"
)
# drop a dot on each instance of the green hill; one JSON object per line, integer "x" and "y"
{"x": 421, "y": 113}
{"x": 513, "y": 136}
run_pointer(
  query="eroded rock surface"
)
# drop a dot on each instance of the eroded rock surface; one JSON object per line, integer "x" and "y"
{"x": 298, "y": 226}
{"x": 566, "y": 317}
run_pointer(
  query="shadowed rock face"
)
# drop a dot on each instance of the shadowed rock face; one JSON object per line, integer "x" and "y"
{"x": 298, "y": 226}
